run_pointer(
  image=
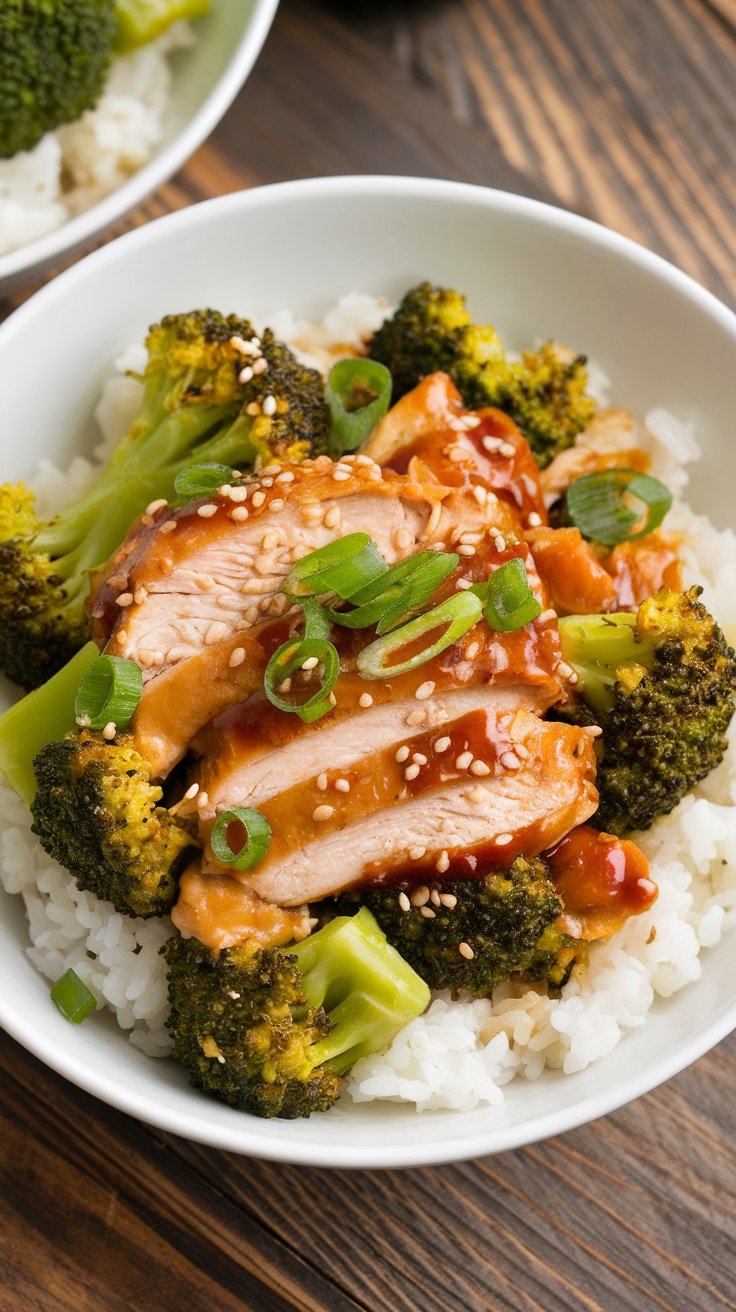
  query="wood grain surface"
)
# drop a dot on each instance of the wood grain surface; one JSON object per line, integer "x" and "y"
{"x": 624, "y": 110}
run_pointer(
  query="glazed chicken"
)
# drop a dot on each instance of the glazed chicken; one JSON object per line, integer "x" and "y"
{"x": 440, "y": 772}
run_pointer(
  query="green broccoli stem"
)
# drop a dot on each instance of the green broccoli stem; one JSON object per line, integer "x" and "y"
{"x": 596, "y": 647}
{"x": 43, "y": 716}
{"x": 367, "y": 989}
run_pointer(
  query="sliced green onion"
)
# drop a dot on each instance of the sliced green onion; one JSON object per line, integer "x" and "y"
{"x": 404, "y": 587}
{"x": 508, "y": 601}
{"x": 201, "y": 480}
{"x": 109, "y": 693}
{"x": 597, "y": 505}
{"x": 255, "y": 842}
{"x": 358, "y": 394}
{"x": 454, "y": 617}
{"x": 287, "y": 661}
{"x": 344, "y": 567}
{"x": 72, "y": 997}
{"x": 317, "y": 619}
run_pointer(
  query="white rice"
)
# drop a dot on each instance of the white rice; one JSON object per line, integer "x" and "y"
{"x": 459, "y": 1054}
{"x": 76, "y": 165}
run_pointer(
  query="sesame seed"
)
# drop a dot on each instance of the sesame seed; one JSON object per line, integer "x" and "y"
{"x": 480, "y": 768}
{"x": 310, "y": 663}
{"x": 510, "y": 761}
{"x": 259, "y": 498}
{"x": 215, "y": 633}
{"x": 456, "y": 454}
{"x": 499, "y": 542}
{"x": 546, "y": 616}
{"x": 332, "y": 518}
{"x": 466, "y": 550}
{"x": 443, "y": 862}
{"x": 285, "y": 685}
{"x": 140, "y": 594}
{"x": 342, "y": 785}
{"x": 424, "y": 690}
{"x": 191, "y": 792}
{"x": 322, "y": 813}
{"x": 592, "y": 730}
{"x": 125, "y": 599}
{"x": 153, "y": 506}
{"x": 427, "y": 912}
{"x": 276, "y": 505}
{"x": 435, "y": 898}
{"x": 269, "y": 405}
{"x": 332, "y": 699}
{"x": 251, "y": 615}
{"x": 260, "y": 365}
{"x": 503, "y": 840}
{"x": 434, "y": 519}
{"x": 245, "y": 374}
{"x": 404, "y": 538}
{"x": 442, "y": 745}
{"x": 404, "y": 902}
{"x": 491, "y": 444}
{"x": 473, "y": 650}
{"x": 419, "y": 758}
{"x": 564, "y": 670}
{"x": 507, "y": 449}
{"x": 534, "y": 520}
{"x": 466, "y": 951}
{"x": 203, "y": 799}
{"x": 365, "y": 700}
{"x": 109, "y": 731}
{"x": 411, "y": 772}
{"x": 252, "y": 408}
{"x": 462, "y": 585}
{"x": 420, "y": 896}
{"x": 480, "y": 493}
{"x": 286, "y": 477}
{"x": 416, "y": 853}
{"x": 402, "y": 754}
{"x": 322, "y": 781}
{"x": 168, "y": 526}
{"x": 237, "y": 656}
{"x": 206, "y": 512}
{"x": 463, "y": 760}
{"x": 340, "y": 475}
{"x": 448, "y": 900}
{"x": 521, "y": 751}
{"x": 239, "y": 514}
{"x": 415, "y": 718}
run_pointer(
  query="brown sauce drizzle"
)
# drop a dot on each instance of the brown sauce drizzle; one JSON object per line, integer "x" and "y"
{"x": 601, "y": 879}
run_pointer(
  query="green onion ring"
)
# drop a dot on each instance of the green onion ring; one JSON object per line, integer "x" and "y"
{"x": 72, "y": 997}
{"x": 287, "y": 661}
{"x": 456, "y": 616}
{"x": 404, "y": 587}
{"x": 595, "y": 504}
{"x": 201, "y": 480}
{"x": 358, "y": 394}
{"x": 257, "y": 838}
{"x": 344, "y": 566}
{"x": 509, "y": 602}
{"x": 109, "y": 693}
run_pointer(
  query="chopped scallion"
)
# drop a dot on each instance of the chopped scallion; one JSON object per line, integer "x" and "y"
{"x": 508, "y": 601}
{"x": 240, "y": 838}
{"x": 344, "y": 566}
{"x": 72, "y": 997}
{"x": 358, "y": 394}
{"x": 109, "y": 693}
{"x": 600, "y": 505}
{"x": 201, "y": 480}
{"x": 287, "y": 663}
{"x": 452, "y": 618}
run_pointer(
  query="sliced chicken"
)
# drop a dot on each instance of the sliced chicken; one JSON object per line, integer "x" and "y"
{"x": 580, "y": 460}
{"x": 221, "y": 912}
{"x": 460, "y": 798}
{"x": 577, "y": 582}
{"x": 430, "y": 431}
{"x": 639, "y": 569}
{"x": 192, "y": 577}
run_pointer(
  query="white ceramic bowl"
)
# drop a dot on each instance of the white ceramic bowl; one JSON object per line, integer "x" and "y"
{"x": 532, "y": 270}
{"x": 206, "y": 80}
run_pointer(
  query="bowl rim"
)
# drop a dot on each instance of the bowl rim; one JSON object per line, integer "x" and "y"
{"x": 254, "y": 1138}
{"x": 165, "y": 161}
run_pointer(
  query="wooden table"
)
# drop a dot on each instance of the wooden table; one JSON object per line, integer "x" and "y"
{"x": 624, "y": 110}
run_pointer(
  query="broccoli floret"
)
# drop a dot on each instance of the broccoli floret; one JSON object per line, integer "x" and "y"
{"x": 506, "y": 918}
{"x": 97, "y": 812}
{"x": 54, "y": 58}
{"x": 271, "y": 1032}
{"x": 544, "y": 393}
{"x": 194, "y": 410}
{"x": 141, "y": 21}
{"x": 661, "y": 685}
